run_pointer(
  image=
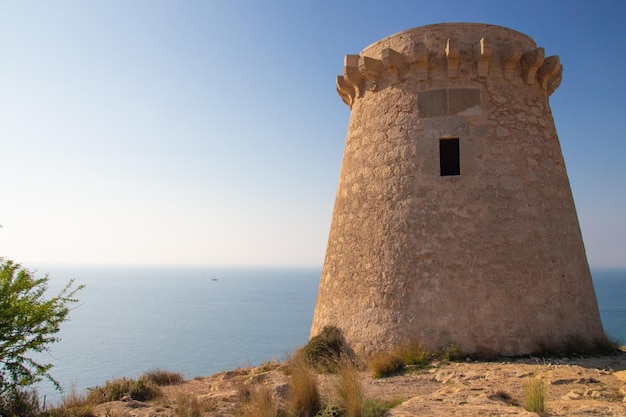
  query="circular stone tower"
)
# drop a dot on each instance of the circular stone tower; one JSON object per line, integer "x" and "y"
{"x": 454, "y": 220}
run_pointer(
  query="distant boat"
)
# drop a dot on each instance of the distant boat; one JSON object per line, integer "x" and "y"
{"x": 213, "y": 279}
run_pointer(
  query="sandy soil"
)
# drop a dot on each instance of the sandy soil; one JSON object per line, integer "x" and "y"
{"x": 592, "y": 386}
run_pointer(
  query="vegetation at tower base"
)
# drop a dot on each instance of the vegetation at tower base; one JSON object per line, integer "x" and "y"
{"x": 326, "y": 350}
{"x": 29, "y": 323}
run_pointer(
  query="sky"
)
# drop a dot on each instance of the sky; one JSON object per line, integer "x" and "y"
{"x": 153, "y": 132}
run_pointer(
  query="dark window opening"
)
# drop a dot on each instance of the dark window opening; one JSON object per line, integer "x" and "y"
{"x": 449, "y": 157}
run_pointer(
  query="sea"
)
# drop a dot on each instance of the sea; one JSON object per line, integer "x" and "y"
{"x": 199, "y": 321}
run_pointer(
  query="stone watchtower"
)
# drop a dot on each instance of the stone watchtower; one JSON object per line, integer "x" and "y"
{"x": 454, "y": 220}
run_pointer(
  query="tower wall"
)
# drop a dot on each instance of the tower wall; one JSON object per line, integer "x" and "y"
{"x": 491, "y": 259}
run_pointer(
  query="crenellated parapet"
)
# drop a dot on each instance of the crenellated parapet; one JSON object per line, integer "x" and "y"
{"x": 437, "y": 59}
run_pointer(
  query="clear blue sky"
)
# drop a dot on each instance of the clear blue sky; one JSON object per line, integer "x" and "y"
{"x": 210, "y": 133}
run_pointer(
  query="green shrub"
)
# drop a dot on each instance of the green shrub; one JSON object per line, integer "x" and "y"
{"x": 324, "y": 350}
{"x": 451, "y": 353}
{"x": 19, "y": 403}
{"x": 142, "y": 389}
{"x": 384, "y": 364}
{"x": 28, "y": 323}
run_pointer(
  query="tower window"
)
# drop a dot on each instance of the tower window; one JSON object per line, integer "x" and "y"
{"x": 449, "y": 157}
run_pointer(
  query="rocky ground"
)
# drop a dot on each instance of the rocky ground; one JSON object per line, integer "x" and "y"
{"x": 593, "y": 386}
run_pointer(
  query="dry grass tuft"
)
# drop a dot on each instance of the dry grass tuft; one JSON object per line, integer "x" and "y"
{"x": 257, "y": 401}
{"x": 535, "y": 395}
{"x": 350, "y": 391}
{"x": 304, "y": 396}
{"x": 73, "y": 405}
{"x": 414, "y": 354}
{"x": 384, "y": 364}
{"x": 162, "y": 377}
{"x": 142, "y": 389}
{"x": 187, "y": 405}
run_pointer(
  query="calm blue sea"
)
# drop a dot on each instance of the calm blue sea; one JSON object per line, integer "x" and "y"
{"x": 199, "y": 321}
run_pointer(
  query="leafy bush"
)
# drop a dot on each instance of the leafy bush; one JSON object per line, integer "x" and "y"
{"x": 19, "y": 403}
{"x": 325, "y": 349}
{"x": 28, "y": 323}
{"x": 451, "y": 353}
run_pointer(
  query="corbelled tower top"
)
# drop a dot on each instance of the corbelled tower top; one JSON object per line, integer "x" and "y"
{"x": 447, "y": 54}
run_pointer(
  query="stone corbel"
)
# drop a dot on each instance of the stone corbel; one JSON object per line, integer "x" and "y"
{"x": 483, "y": 52}
{"x": 452, "y": 53}
{"x": 419, "y": 56}
{"x": 346, "y": 90}
{"x": 370, "y": 68}
{"x": 351, "y": 73}
{"x": 393, "y": 59}
{"x": 547, "y": 70}
{"x": 555, "y": 81}
{"x": 531, "y": 61}
{"x": 510, "y": 58}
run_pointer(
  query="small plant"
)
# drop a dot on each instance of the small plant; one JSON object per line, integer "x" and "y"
{"x": 19, "y": 403}
{"x": 373, "y": 408}
{"x": 304, "y": 397}
{"x": 451, "y": 353}
{"x": 384, "y": 364}
{"x": 414, "y": 354}
{"x": 329, "y": 411}
{"x": 535, "y": 395}
{"x": 269, "y": 365}
{"x": 350, "y": 391}
{"x": 325, "y": 350}
{"x": 142, "y": 389}
{"x": 73, "y": 405}
{"x": 576, "y": 345}
{"x": 257, "y": 401}
{"x": 188, "y": 406}
{"x": 162, "y": 377}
